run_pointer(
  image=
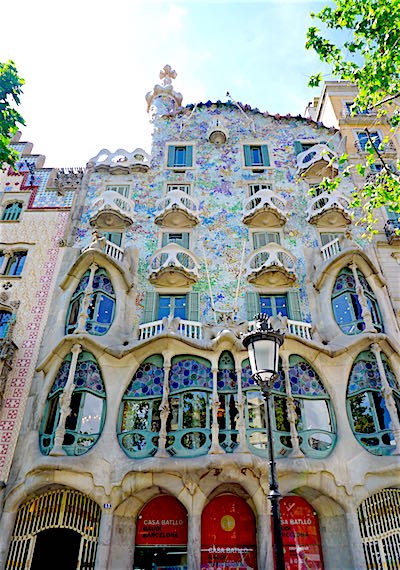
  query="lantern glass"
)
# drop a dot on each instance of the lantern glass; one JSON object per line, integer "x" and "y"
{"x": 263, "y": 355}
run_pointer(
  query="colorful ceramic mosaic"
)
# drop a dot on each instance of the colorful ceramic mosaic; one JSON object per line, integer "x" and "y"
{"x": 249, "y": 383}
{"x": 147, "y": 382}
{"x": 87, "y": 375}
{"x": 61, "y": 378}
{"x": 390, "y": 375}
{"x": 102, "y": 281}
{"x": 227, "y": 381}
{"x": 364, "y": 376}
{"x": 344, "y": 281}
{"x": 189, "y": 373}
{"x": 304, "y": 381}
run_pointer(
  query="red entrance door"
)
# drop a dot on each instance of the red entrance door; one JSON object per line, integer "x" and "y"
{"x": 301, "y": 538}
{"x": 228, "y": 535}
{"x": 163, "y": 521}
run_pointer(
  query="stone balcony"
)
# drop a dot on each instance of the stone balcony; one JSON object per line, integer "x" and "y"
{"x": 217, "y": 133}
{"x": 176, "y": 325}
{"x": 331, "y": 208}
{"x": 174, "y": 266}
{"x": 317, "y": 160}
{"x": 264, "y": 208}
{"x": 177, "y": 209}
{"x": 271, "y": 266}
{"x": 295, "y": 328}
{"x": 388, "y": 148}
{"x": 121, "y": 161}
{"x": 111, "y": 209}
{"x": 111, "y": 249}
{"x": 392, "y": 231}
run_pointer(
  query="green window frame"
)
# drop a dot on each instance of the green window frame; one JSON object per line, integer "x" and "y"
{"x": 261, "y": 239}
{"x": 121, "y": 189}
{"x": 301, "y": 146}
{"x": 228, "y": 413}
{"x": 253, "y": 302}
{"x": 152, "y": 304}
{"x": 256, "y": 155}
{"x": 113, "y": 237}
{"x": 327, "y": 237}
{"x": 12, "y": 212}
{"x": 180, "y": 156}
{"x": 85, "y": 400}
{"x": 180, "y": 238}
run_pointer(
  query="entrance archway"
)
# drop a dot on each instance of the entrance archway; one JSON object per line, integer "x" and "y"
{"x": 228, "y": 534}
{"x": 161, "y": 535}
{"x": 59, "y": 529}
{"x": 301, "y": 537}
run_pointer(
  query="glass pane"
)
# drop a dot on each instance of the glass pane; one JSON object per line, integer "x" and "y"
{"x": 280, "y": 304}
{"x": 134, "y": 415}
{"x": 164, "y": 306}
{"x": 71, "y": 421}
{"x": 105, "y": 310}
{"x": 180, "y": 156}
{"x": 316, "y": 415}
{"x": 361, "y": 412}
{"x": 51, "y": 416}
{"x": 256, "y": 154}
{"x": 266, "y": 306}
{"x": 320, "y": 441}
{"x": 180, "y": 307}
{"x": 91, "y": 414}
{"x": 281, "y": 415}
{"x": 5, "y": 317}
{"x": 256, "y": 410}
{"x": 73, "y": 314}
{"x": 195, "y": 410}
{"x": 155, "y": 416}
{"x": 259, "y": 439}
{"x": 363, "y": 139}
{"x": 373, "y": 307}
{"x": 382, "y": 412}
{"x": 173, "y": 418}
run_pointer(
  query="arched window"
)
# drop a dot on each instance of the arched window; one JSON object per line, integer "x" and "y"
{"x": 12, "y": 212}
{"x": 139, "y": 417}
{"x": 16, "y": 263}
{"x": 314, "y": 423}
{"x": 366, "y": 408}
{"x": 189, "y": 420}
{"x": 227, "y": 412}
{"x": 5, "y": 319}
{"x": 346, "y": 304}
{"x": 84, "y": 424}
{"x": 100, "y": 313}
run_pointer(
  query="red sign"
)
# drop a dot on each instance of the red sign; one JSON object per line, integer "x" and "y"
{"x": 301, "y": 538}
{"x": 228, "y": 535}
{"x": 162, "y": 522}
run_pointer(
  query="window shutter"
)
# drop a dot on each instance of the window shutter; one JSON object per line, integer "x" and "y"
{"x": 327, "y": 238}
{"x": 150, "y": 307}
{"x": 193, "y": 306}
{"x": 273, "y": 237}
{"x": 185, "y": 240}
{"x": 265, "y": 155}
{"x": 253, "y": 305}
{"x": 259, "y": 239}
{"x": 171, "y": 155}
{"x": 165, "y": 239}
{"x": 298, "y": 147}
{"x": 294, "y": 306}
{"x": 247, "y": 156}
{"x": 189, "y": 156}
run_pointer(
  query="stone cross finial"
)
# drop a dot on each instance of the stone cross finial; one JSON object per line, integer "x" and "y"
{"x": 167, "y": 74}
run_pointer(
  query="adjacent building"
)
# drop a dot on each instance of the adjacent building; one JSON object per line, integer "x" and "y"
{"x": 144, "y": 440}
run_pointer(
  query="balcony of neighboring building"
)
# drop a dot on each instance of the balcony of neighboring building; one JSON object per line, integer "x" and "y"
{"x": 375, "y": 137}
{"x": 392, "y": 228}
{"x": 356, "y": 116}
{"x": 113, "y": 208}
{"x": 329, "y": 208}
{"x": 316, "y": 159}
{"x": 264, "y": 208}
{"x": 177, "y": 208}
{"x": 271, "y": 265}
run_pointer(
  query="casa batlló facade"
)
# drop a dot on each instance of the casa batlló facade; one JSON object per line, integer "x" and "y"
{"x": 144, "y": 441}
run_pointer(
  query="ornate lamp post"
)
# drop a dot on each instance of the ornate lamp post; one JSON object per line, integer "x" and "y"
{"x": 263, "y": 344}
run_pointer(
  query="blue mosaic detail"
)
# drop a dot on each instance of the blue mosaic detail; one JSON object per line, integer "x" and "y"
{"x": 364, "y": 376}
{"x": 188, "y": 373}
{"x": 50, "y": 198}
{"x": 62, "y": 377}
{"x": 304, "y": 381}
{"x": 147, "y": 382}
{"x": 249, "y": 383}
{"x": 87, "y": 375}
{"x": 390, "y": 375}
{"x": 226, "y": 381}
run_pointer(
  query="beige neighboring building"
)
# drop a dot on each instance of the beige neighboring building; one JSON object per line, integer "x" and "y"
{"x": 144, "y": 444}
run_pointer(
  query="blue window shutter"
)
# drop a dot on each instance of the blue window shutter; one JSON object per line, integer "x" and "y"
{"x": 189, "y": 156}
{"x": 193, "y": 306}
{"x": 253, "y": 305}
{"x": 294, "y": 306}
{"x": 265, "y": 155}
{"x": 298, "y": 147}
{"x": 150, "y": 307}
{"x": 171, "y": 155}
{"x": 248, "y": 161}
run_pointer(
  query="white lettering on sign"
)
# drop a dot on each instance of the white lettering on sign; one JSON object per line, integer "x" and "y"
{"x": 170, "y": 522}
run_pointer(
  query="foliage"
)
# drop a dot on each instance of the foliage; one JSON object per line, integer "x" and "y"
{"x": 369, "y": 58}
{"x": 10, "y": 91}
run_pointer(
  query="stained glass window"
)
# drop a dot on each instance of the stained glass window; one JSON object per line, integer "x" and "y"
{"x": 12, "y": 212}
{"x": 5, "y": 319}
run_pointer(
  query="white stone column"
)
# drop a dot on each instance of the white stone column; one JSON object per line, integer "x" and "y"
{"x": 387, "y": 393}
{"x": 104, "y": 540}
{"x": 122, "y": 549}
{"x": 265, "y": 554}
{"x": 7, "y": 522}
{"x": 7, "y": 255}
{"x": 365, "y": 312}
{"x": 242, "y": 447}
{"x": 194, "y": 542}
{"x": 291, "y": 407}
{"x": 164, "y": 410}
{"x": 215, "y": 403}
{"x": 354, "y": 534}
{"x": 65, "y": 401}
{"x": 82, "y": 317}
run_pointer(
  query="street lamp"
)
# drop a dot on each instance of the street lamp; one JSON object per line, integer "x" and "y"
{"x": 263, "y": 344}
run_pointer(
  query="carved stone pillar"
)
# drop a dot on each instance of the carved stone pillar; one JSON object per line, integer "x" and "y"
{"x": 387, "y": 393}
{"x": 65, "y": 402}
{"x": 82, "y": 317}
{"x": 354, "y": 534}
{"x": 365, "y": 312}
{"x": 7, "y": 351}
{"x": 194, "y": 541}
{"x": 291, "y": 415}
{"x": 215, "y": 403}
{"x": 7, "y": 522}
{"x": 164, "y": 410}
{"x": 104, "y": 541}
{"x": 242, "y": 447}
{"x": 7, "y": 255}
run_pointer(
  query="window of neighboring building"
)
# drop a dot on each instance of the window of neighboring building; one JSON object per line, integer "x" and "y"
{"x": 366, "y": 407}
{"x": 180, "y": 238}
{"x": 261, "y": 239}
{"x": 158, "y": 306}
{"x": 12, "y": 212}
{"x": 288, "y": 304}
{"x": 256, "y": 155}
{"x": 16, "y": 263}
{"x": 182, "y": 187}
{"x": 100, "y": 313}
{"x": 180, "y": 156}
{"x": 84, "y": 423}
{"x": 346, "y": 305}
{"x": 5, "y": 318}
{"x": 363, "y": 139}
{"x": 358, "y": 111}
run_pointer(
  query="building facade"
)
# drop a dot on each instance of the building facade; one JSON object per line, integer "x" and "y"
{"x": 144, "y": 440}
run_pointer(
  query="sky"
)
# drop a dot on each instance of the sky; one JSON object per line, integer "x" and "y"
{"x": 88, "y": 64}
